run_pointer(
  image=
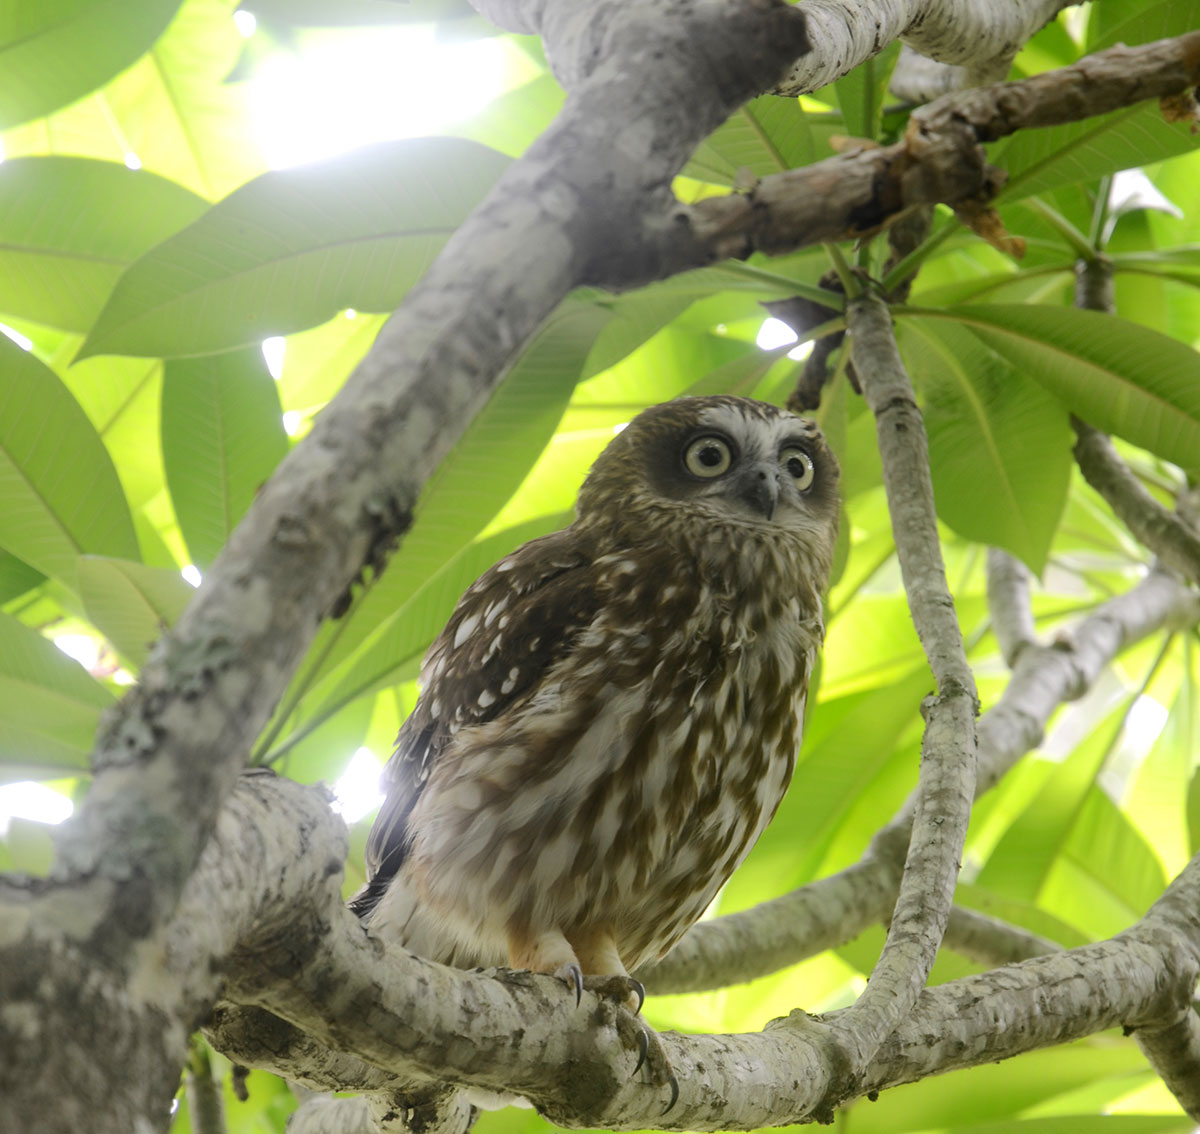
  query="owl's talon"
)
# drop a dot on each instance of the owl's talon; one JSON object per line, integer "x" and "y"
{"x": 651, "y": 1056}
{"x": 629, "y": 993}
{"x": 572, "y": 976}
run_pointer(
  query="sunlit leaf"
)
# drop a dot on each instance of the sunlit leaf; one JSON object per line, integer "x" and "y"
{"x": 49, "y": 706}
{"x": 222, "y": 436}
{"x": 129, "y": 603}
{"x": 53, "y": 51}
{"x": 999, "y": 445}
{"x": 1118, "y": 376}
{"x": 60, "y": 491}
{"x": 70, "y": 226}
{"x": 294, "y": 247}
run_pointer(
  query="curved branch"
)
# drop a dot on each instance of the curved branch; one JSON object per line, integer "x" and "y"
{"x": 501, "y": 1031}
{"x": 941, "y": 158}
{"x": 972, "y": 33}
{"x": 947, "y": 777}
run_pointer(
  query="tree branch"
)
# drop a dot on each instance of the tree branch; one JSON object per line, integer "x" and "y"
{"x": 941, "y": 158}
{"x": 947, "y": 777}
{"x": 1008, "y": 604}
{"x": 503, "y": 1031}
{"x": 980, "y": 36}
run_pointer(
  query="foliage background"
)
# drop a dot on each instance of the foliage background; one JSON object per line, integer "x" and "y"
{"x": 138, "y": 416}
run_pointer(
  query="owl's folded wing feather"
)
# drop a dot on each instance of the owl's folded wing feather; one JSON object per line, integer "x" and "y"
{"x": 514, "y": 622}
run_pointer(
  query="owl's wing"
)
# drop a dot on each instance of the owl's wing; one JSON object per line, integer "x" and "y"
{"x": 510, "y": 627}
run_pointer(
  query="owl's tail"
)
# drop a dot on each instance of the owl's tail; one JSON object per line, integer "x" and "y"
{"x": 393, "y": 910}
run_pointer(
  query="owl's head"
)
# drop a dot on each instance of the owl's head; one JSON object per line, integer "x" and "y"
{"x": 731, "y": 461}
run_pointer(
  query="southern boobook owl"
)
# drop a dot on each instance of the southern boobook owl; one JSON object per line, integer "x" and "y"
{"x": 611, "y": 716}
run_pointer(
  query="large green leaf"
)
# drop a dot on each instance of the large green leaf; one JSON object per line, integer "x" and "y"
{"x": 16, "y": 577}
{"x": 69, "y": 227}
{"x": 999, "y": 445}
{"x": 766, "y": 135}
{"x": 222, "y": 436}
{"x": 60, "y": 492}
{"x": 1036, "y": 160}
{"x": 292, "y": 248}
{"x": 1022, "y": 860}
{"x": 1120, "y": 377}
{"x": 53, "y": 51}
{"x": 49, "y": 706}
{"x": 129, "y": 603}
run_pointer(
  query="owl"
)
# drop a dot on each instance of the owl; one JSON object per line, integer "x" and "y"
{"x": 610, "y": 718}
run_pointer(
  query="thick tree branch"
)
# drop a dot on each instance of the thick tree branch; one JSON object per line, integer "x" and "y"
{"x": 418, "y": 1021}
{"x": 940, "y": 158}
{"x": 979, "y": 36}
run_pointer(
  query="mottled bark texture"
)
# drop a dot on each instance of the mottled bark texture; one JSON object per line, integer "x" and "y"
{"x": 185, "y": 893}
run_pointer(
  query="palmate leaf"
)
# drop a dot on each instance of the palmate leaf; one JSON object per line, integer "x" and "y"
{"x": 999, "y": 445}
{"x": 49, "y": 706}
{"x": 1120, "y": 377}
{"x": 222, "y": 436}
{"x": 293, "y": 247}
{"x": 61, "y": 496}
{"x": 70, "y": 226}
{"x": 53, "y": 51}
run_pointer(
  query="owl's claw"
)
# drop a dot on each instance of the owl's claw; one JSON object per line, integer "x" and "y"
{"x": 653, "y": 1057}
{"x": 629, "y": 993}
{"x": 572, "y": 976}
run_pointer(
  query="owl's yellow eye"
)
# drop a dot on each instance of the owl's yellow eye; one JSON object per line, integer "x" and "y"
{"x": 708, "y": 457}
{"x": 799, "y": 466}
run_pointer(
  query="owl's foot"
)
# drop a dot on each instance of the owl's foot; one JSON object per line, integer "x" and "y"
{"x": 626, "y": 991}
{"x": 651, "y": 1055}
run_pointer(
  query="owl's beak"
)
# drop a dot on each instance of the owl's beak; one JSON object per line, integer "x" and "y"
{"x": 759, "y": 488}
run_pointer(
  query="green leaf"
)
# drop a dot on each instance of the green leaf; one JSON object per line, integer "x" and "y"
{"x": 60, "y": 491}
{"x": 1106, "y": 845}
{"x": 999, "y": 445}
{"x": 292, "y": 248}
{"x": 766, "y": 135}
{"x": 861, "y": 93}
{"x": 1037, "y": 160}
{"x": 222, "y": 436}
{"x": 1118, "y": 376}
{"x": 16, "y": 577}
{"x": 53, "y": 51}
{"x": 49, "y": 706}
{"x": 68, "y": 228}
{"x": 1022, "y": 860}
{"x": 129, "y": 603}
